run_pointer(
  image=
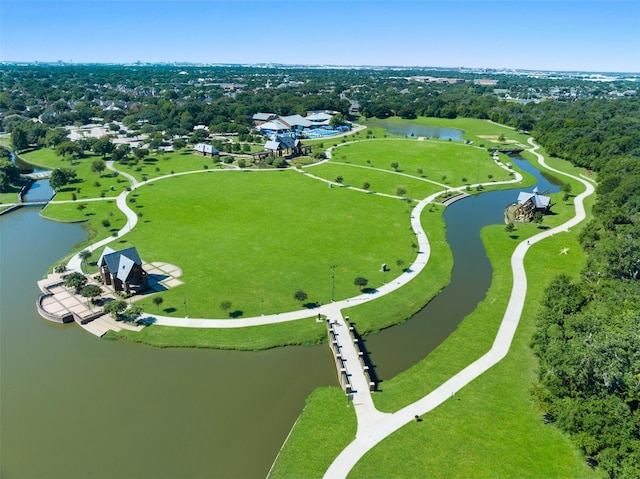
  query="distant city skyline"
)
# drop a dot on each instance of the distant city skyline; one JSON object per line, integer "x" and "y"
{"x": 546, "y": 35}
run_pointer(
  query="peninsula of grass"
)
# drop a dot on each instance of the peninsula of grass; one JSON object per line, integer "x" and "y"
{"x": 255, "y": 238}
{"x": 519, "y": 443}
{"x": 310, "y": 453}
{"x": 100, "y": 219}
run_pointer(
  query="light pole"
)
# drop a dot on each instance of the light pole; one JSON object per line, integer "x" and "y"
{"x": 333, "y": 282}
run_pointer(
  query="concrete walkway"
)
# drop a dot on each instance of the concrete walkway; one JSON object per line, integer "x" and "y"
{"x": 368, "y": 437}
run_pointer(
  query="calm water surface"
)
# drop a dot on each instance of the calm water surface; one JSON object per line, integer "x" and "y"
{"x": 413, "y": 130}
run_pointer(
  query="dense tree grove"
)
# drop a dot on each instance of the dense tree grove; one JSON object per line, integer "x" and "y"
{"x": 588, "y": 337}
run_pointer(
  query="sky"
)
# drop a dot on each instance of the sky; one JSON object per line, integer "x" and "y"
{"x": 577, "y": 35}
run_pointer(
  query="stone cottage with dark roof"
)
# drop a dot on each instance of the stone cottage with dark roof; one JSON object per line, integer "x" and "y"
{"x": 123, "y": 270}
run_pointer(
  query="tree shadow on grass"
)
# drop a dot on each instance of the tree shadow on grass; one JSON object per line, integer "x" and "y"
{"x": 169, "y": 310}
{"x": 236, "y": 314}
{"x": 515, "y": 237}
{"x": 369, "y": 290}
{"x": 311, "y": 305}
{"x": 148, "y": 321}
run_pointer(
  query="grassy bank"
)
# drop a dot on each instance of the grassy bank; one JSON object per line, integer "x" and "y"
{"x": 300, "y": 332}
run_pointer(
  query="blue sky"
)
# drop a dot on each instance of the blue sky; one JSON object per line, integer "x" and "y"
{"x": 542, "y": 34}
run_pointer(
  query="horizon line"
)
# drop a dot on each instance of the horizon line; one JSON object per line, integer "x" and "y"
{"x": 304, "y": 65}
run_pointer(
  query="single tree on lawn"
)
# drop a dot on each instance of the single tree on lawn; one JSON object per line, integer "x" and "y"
{"x": 98, "y": 166}
{"x": 510, "y": 227}
{"x": 401, "y": 191}
{"x": 75, "y": 280}
{"x": 538, "y": 217}
{"x": 300, "y": 296}
{"x": 361, "y": 282}
{"x": 395, "y": 166}
{"x": 225, "y": 305}
{"x": 103, "y": 146}
{"x": 60, "y": 177}
{"x": 158, "y": 301}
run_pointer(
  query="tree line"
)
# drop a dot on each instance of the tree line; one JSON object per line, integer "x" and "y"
{"x": 588, "y": 330}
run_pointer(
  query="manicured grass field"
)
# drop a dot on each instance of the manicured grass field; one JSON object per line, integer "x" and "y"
{"x": 449, "y": 163}
{"x": 255, "y": 238}
{"x": 380, "y": 181}
{"x": 301, "y": 332}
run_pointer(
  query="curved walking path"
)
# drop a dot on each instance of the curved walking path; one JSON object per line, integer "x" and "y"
{"x": 368, "y": 437}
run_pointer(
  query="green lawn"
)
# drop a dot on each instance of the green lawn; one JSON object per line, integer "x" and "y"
{"x": 449, "y": 163}
{"x": 248, "y": 236}
{"x": 87, "y": 184}
{"x": 93, "y": 214}
{"x": 301, "y": 332}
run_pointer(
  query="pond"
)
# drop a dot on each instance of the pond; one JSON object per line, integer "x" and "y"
{"x": 410, "y": 130}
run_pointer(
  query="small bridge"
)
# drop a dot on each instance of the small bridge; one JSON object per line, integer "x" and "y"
{"x": 42, "y": 175}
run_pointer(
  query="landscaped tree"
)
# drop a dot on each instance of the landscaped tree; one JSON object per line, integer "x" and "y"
{"x": 225, "y": 305}
{"x": 60, "y": 177}
{"x": 98, "y": 166}
{"x": 179, "y": 144}
{"x": 141, "y": 153}
{"x": 19, "y": 138}
{"x": 365, "y": 185}
{"x": 157, "y": 300}
{"x": 300, "y": 296}
{"x": 395, "y": 166}
{"x": 510, "y": 227}
{"x": 55, "y": 137}
{"x": 69, "y": 149}
{"x": 120, "y": 152}
{"x": 84, "y": 255}
{"x": 361, "y": 282}
{"x": 61, "y": 268}
{"x": 75, "y": 280}
{"x": 133, "y": 313}
{"x": 115, "y": 308}
{"x": 91, "y": 291}
{"x": 103, "y": 146}
{"x": 538, "y": 217}
{"x": 401, "y": 191}
{"x": 339, "y": 179}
